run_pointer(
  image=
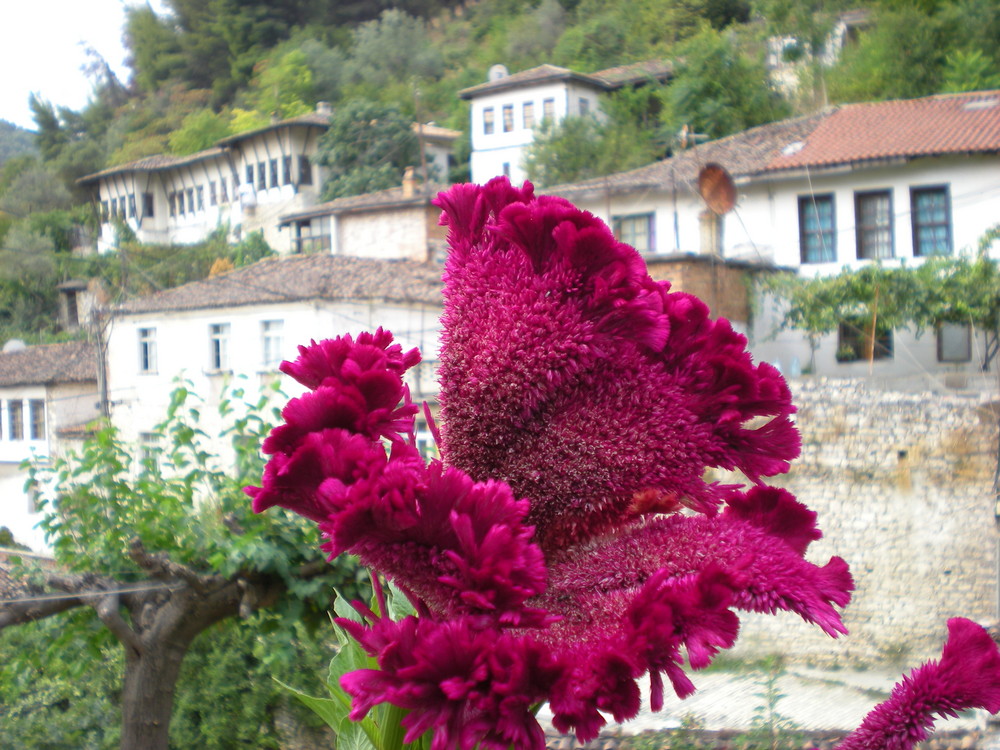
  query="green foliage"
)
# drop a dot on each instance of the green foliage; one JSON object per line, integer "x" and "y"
{"x": 366, "y": 148}
{"x": 15, "y": 142}
{"x": 900, "y": 57}
{"x": 940, "y": 290}
{"x": 718, "y": 91}
{"x": 969, "y": 70}
{"x": 580, "y": 148}
{"x": 198, "y": 131}
{"x": 282, "y": 87}
{"x": 59, "y": 686}
{"x": 395, "y": 48}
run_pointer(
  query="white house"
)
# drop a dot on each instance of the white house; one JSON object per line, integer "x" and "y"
{"x": 892, "y": 182}
{"x": 233, "y": 329}
{"x": 48, "y": 395}
{"x": 506, "y": 109}
{"x": 244, "y": 182}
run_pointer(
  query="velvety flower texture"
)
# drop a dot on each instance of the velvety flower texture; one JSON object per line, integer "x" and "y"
{"x": 545, "y": 554}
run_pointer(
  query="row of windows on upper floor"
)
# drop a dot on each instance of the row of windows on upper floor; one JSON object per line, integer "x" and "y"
{"x": 219, "y": 346}
{"x": 874, "y": 224}
{"x": 192, "y": 199}
{"x": 528, "y": 120}
{"x": 20, "y": 414}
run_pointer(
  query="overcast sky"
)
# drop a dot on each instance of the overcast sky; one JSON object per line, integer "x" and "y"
{"x": 42, "y": 49}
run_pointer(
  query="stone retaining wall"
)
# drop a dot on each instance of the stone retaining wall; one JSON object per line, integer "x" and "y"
{"x": 902, "y": 483}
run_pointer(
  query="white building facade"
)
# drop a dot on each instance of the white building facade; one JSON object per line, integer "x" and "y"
{"x": 243, "y": 184}
{"x": 507, "y": 110}
{"x": 48, "y": 396}
{"x": 889, "y": 182}
{"x": 232, "y": 331}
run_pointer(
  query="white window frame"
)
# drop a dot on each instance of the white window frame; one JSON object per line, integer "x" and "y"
{"x": 218, "y": 347}
{"x": 147, "y": 350}
{"x": 271, "y": 341}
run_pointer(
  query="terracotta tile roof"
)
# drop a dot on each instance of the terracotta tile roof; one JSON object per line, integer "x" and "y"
{"x": 154, "y": 163}
{"x": 743, "y": 155}
{"x": 541, "y": 74}
{"x": 381, "y": 199}
{"x": 848, "y": 134}
{"x": 72, "y": 362}
{"x": 935, "y": 125}
{"x": 639, "y": 72}
{"x": 298, "y": 278}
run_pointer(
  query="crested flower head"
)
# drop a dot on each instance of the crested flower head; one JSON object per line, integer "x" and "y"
{"x": 583, "y": 403}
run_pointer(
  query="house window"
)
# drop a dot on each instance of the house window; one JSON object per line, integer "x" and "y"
{"x": 506, "y": 169}
{"x": 954, "y": 342}
{"x": 584, "y": 106}
{"x": 147, "y": 350}
{"x": 15, "y": 420}
{"x": 104, "y": 210}
{"x": 249, "y": 180}
{"x": 636, "y": 230}
{"x": 873, "y": 217}
{"x": 131, "y": 205}
{"x": 286, "y": 164}
{"x": 172, "y": 204}
{"x": 150, "y": 450}
{"x": 200, "y": 191}
{"x": 508, "y": 118}
{"x": 36, "y": 413}
{"x": 528, "y": 114}
{"x": 147, "y": 204}
{"x": 548, "y": 109}
{"x": 218, "y": 338}
{"x": 223, "y": 190}
{"x": 930, "y": 214}
{"x": 190, "y": 195}
{"x": 274, "y": 172}
{"x": 271, "y": 332}
{"x": 213, "y": 197}
{"x": 180, "y": 202}
{"x": 488, "y": 121}
{"x": 854, "y": 341}
{"x": 305, "y": 171}
{"x": 261, "y": 176}
{"x": 817, "y": 230}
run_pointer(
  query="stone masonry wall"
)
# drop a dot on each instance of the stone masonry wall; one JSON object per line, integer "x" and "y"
{"x": 902, "y": 483}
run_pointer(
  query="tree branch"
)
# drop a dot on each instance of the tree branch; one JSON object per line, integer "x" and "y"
{"x": 107, "y": 610}
{"x": 159, "y": 565}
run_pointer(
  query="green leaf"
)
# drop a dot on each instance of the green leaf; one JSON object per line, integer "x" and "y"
{"x": 329, "y": 710}
{"x": 352, "y": 736}
{"x": 350, "y": 658}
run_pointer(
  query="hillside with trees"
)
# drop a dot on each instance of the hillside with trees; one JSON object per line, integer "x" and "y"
{"x": 204, "y": 71}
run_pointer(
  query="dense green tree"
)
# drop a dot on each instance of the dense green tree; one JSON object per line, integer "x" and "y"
{"x": 718, "y": 91}
{"x": 367, "y": 148}
{"x": 171, "y": 545}
{"x": 580, "y": 148}
{"x": 15, "y": 142}
{"x": 391, "y": 49}
{"x": 900, "y": 57}
{"x": 282, "y": 86}
{"x": 198, "y": 131}
{"x": 33, "y": 189}
{"x": 155, "y": 52}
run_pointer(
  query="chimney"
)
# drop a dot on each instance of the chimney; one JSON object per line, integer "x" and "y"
{"x": 409, "y": 182}
{"x": 324, "y": 108}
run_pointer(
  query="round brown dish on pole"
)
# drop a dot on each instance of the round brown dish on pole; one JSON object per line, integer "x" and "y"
{"x": 716, "y": 187}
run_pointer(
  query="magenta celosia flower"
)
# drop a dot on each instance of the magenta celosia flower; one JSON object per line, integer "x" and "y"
{"x": 582, "y": 403}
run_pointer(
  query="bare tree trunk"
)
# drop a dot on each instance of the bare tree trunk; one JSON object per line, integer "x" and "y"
{"x": 148, "y": 695}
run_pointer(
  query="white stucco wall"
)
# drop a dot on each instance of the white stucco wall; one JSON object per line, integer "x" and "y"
{"x": 490, "y": 151}
{"x": 183, "y": 352}
{"x": 66, "y": 405}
